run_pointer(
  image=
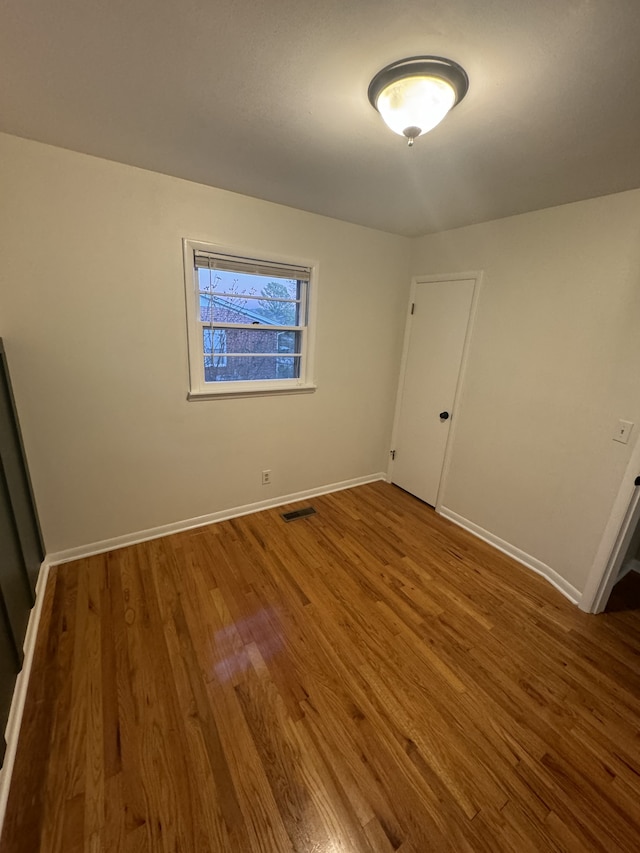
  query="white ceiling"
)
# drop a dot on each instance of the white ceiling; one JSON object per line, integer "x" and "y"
{"x": 270, "y": 99}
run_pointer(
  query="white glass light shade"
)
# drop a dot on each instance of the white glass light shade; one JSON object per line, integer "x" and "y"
{"x": 414, "y": 105}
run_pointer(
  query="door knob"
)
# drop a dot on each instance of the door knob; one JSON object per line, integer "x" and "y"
{"x": 444, "y": 416}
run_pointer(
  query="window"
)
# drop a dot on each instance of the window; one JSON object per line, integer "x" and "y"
{"x": 248, "y": 323}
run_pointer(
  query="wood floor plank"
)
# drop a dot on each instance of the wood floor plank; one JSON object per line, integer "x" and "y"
{"x": 368, "y": 679}
{"x": 57, "y": 829}
{"x": 187, "y": 763}
{"x": 235, "y": 768}
{"x": 129, "y": 786}
{"x": 95, "y": 740}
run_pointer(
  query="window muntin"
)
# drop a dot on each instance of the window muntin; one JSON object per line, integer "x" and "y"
{"x": 248, "y": 323}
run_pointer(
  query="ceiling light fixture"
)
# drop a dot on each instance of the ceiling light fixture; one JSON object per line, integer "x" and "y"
{"x": 414, "y": 95}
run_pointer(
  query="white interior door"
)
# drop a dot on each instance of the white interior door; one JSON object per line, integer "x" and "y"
{"x": 436, "y": 335}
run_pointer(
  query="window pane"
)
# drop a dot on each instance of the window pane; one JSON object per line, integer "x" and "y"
{"x": 288, "y": 341}
{"x": 238, "y": 369}
{"x": 249, "y": 311}
{"x": 287, "y": 368}
{"x": 215, "y": 347}
{"x": 243, "y": 284}
{"x": 258, "y": 340}
{"x": 214, "y": 340}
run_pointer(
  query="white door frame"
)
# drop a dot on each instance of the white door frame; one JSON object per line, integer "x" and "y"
{"x": 477, "y": 276}
{"x": 615, "y": 540}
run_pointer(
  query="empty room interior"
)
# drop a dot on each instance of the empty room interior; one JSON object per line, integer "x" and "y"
{"x": 319, "y": 417}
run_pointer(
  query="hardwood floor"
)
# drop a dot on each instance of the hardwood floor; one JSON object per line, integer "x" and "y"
{"x": 370, "y": 678}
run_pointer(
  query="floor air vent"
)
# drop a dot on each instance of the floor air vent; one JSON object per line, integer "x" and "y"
{"x": 298, "y": 513}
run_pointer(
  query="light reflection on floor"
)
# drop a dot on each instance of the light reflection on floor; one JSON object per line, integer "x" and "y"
{"x": 259, "y": 626}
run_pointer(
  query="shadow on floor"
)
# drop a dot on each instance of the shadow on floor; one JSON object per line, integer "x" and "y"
{"x": 625, "y": 595}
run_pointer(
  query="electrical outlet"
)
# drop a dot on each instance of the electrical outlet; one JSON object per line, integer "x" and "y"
{"x": 266, "y": 477}
{"x": 622, "y": 432}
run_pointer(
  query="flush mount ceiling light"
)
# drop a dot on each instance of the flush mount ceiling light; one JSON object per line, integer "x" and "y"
{"x": 414, "y": 95}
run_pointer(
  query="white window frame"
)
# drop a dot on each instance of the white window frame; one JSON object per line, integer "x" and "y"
{"x": 201, "y": 390}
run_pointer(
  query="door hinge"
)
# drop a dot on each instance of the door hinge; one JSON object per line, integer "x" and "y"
{"x": 413, "y": 307}
{"x": 393, "y": 454}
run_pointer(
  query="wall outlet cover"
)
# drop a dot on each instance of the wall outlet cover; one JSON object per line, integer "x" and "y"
{"x": 622, "y": 432}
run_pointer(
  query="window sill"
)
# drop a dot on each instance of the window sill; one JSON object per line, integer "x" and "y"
{"x": 271, "y": 391}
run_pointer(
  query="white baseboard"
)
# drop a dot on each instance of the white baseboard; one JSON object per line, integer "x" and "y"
{"x": 82, "y": 551}
{"x": 527, "y": 560}
{"x": 12, "y": 732}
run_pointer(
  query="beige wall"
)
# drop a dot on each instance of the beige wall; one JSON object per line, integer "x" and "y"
{"x": 92, "y": 314}
{"x": 554, "y": 362}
